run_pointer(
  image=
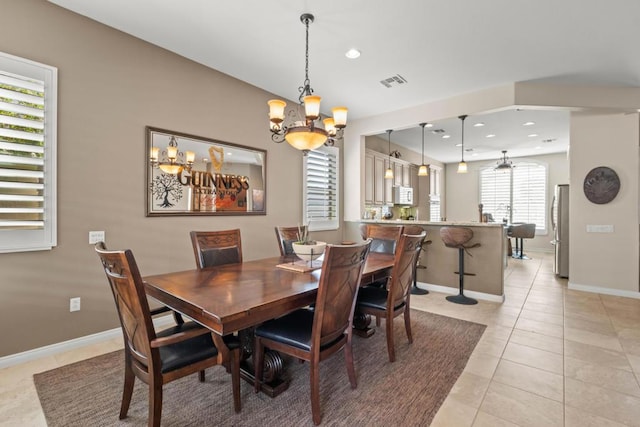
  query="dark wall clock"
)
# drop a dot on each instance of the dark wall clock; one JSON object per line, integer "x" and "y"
{"x": 601, "y": 185}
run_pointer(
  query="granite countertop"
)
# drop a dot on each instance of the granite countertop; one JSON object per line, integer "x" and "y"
{"x": 441, "y": 223}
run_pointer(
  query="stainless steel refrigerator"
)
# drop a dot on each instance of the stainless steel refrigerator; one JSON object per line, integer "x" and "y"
{"x": 560, "y": 225}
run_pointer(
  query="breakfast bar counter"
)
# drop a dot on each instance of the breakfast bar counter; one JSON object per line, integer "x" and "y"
{"x": 485, "y": 264}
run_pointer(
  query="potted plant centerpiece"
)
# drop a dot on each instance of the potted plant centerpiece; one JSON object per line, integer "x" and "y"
{"x": 307, "y": 249}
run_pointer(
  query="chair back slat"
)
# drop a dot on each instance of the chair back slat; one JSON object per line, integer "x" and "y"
{"x": 339, "y": 280}
{"x": 212, "y": 248}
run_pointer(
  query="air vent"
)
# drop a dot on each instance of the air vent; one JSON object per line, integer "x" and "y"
{"x": 437, "y": 131}
{"x": 549, "y": 140}
{"x": 396, "y": 80}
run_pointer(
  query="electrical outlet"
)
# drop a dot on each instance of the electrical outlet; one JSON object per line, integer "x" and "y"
{"x": 95, "y": 237}
{"x": 74, "y": 304}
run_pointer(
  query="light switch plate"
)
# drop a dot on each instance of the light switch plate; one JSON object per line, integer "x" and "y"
{"x": 95, "y": 237}
{"x": 592, "y": 228}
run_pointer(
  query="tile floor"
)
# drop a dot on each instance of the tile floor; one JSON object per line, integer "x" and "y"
{"x": 549, "y": 357}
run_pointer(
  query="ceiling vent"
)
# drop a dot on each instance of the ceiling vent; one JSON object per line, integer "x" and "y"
{"x": 437, "y": 131}
{"x": 396, "y": 80}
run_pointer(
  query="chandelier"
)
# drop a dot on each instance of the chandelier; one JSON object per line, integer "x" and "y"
{"x": 170, "y": 160}
{"x": 504, "y": 164}
{"x": 305, "y": 134}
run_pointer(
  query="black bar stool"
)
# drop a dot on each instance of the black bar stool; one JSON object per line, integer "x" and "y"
{"x": 521, "y": 232}
{"x": 458, "y": 237}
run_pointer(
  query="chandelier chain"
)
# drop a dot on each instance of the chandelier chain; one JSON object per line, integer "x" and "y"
{"x": 306, "y": 89}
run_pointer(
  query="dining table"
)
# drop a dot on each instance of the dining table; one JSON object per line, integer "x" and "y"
{"x": 234, "y": 298}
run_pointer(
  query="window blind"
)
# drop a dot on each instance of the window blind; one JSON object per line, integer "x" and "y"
{"x": 321, "y": 188}
{"x": 28, "y": 121}
{"x": 518, "y": 195}
{"x": 21, "y": 153}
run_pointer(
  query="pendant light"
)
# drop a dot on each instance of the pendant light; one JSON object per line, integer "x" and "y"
{"x": 462, "y": 166}
{"x": 388, "y": 174}
{"x": 423, "y": 170}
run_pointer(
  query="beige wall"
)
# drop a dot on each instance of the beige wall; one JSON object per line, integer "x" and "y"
{"x": 463, "y": 195}
{"x": 604, "y": 261}
{"x": 111, "y": 86}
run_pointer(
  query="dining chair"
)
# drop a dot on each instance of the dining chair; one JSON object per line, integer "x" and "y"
{"x": 213, "y": 248}
{"x": 393, "y": 300}
{"x": 413, "y": 230}
{"x": 286, "y": 236}
{"x": 384, "y": 238}
{"x": 158, "y": 358}
{"x": 314, "y": 335}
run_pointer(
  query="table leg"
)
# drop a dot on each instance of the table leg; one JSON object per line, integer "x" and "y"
{"x": 361, "y": 323}
{"x": 273, "y": 382}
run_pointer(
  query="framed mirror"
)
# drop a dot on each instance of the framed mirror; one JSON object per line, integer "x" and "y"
{"x": 195, "y": 175}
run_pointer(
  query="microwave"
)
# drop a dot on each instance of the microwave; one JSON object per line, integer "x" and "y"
{"x": 402, "y": 195}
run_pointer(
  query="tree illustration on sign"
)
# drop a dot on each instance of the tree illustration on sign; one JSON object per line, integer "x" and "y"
{"x": 167, "y": 188}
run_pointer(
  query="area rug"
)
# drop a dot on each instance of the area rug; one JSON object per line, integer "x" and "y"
{"x": 407, "y": 392}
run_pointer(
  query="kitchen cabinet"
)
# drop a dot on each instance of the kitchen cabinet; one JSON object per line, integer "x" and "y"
{"x": 377, "y": 189}
{"x": 378, "y": 180}
{"x": 369, "y": 180}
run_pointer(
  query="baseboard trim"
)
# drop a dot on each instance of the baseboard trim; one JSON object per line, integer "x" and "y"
{"x": 61, "y": 347}
{"x": 453, "y": 291}
{"x": 605, "y": 291}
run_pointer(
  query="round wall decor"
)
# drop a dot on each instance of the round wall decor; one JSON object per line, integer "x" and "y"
{"x": 601, "y": 185}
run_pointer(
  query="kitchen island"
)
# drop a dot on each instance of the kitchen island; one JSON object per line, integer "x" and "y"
{"x": 487, "y": 262}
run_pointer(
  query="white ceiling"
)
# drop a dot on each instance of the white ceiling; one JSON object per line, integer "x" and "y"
{"x": 441, "y": 48}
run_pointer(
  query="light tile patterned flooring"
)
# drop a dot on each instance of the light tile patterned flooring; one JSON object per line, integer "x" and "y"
{"x": 549, "y": 357}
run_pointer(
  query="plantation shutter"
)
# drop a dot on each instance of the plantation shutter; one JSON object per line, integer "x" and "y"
{"x": 495, "y": 193}
{"x": 321, "y": 188}
{"x": 27, "y": 155}
{"x": 529, "y": 190}
{"x": 21, "y": 153}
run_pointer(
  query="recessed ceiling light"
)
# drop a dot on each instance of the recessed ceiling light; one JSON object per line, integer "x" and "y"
{"x": 352, "y": 54}
{"x": 429, "y": 125}
{"x": 459, "y": 145}
{"x": 538, "y": 147}
{"x": 478, "y": 125}
{"x": 446, "y": 136}
{"x": 474, "y": 154}
{"x": 529, "y": 124}
{"x": 532, "y": 135}
{"x": 491, "y": 135}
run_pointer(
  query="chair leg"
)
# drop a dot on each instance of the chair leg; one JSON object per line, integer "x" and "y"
{"x": 377, "y": 320}
{"x": 390, "y": 345}
{"x": 155, "y": 402}
{"x": 201, "y": 376}
{"x": 348, "y": 355}
{"x": 315, "y": 391}
{"x": 258, "y": 361}
{"x": 178, "y": 318}
{"x": 127, "y": 391}
{"x": 234, "y": 355}
{"x": 407, "y": 324}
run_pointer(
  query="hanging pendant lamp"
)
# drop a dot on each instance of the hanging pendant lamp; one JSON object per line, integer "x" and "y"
{"x": 462, "y": 166}
{"x": 388, "y": 174}
{"x": 423, "y": 170}
{"x": 504, "y": 164}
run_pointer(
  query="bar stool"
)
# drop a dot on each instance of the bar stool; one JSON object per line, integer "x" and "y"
{"x": 458, "y": 237}
{"x": 521, "y": 232}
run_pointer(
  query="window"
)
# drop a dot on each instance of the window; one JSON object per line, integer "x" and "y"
{"x": 28, "y": 93}
{"x": 518, "y": 195}
{"x": 321, "y": 189}
{"x": 434, "y": 193}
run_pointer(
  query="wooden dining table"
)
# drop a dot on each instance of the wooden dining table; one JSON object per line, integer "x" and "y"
{"x": 236, "y": 297}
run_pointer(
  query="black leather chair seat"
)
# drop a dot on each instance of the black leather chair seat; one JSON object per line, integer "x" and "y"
{"x": 293, "y": 329}
{"x": 189, "y": 351}
{"x": 373, "y": 297}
